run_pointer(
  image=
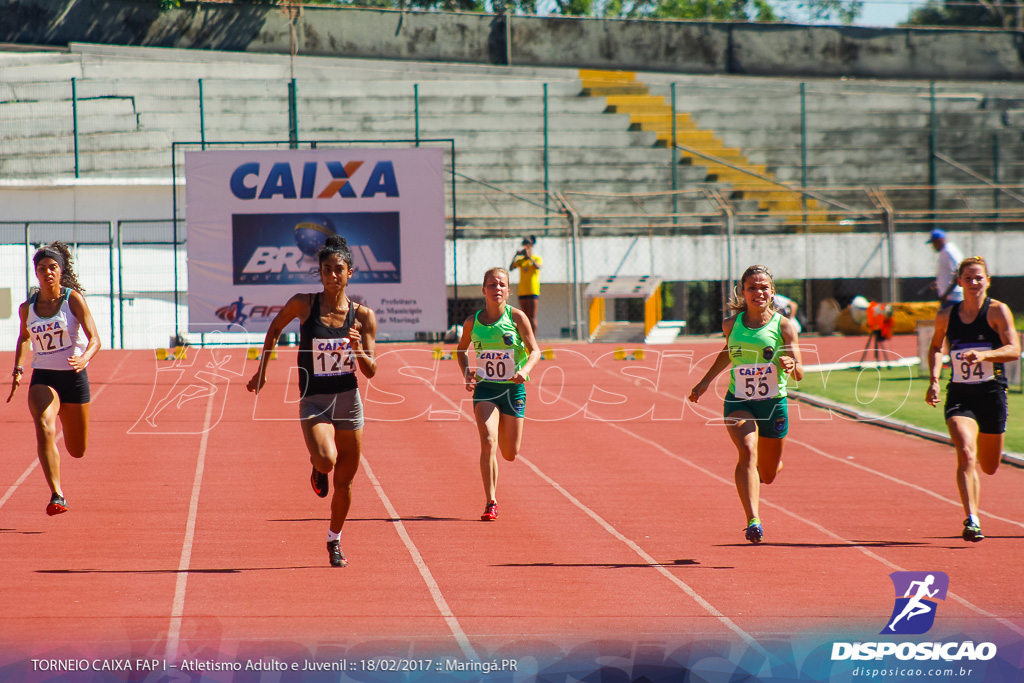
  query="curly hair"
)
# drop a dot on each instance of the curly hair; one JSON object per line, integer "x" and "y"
{"x": 68, "y": 277}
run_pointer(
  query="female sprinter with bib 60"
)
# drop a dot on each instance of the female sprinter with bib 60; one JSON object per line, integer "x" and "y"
{"x": 981, "y": 338}
{"x": 336, "y": 336}
{"x": 762, "y": 346}
{"x": 506, "y": 351}
{"x": 57, "y": 323}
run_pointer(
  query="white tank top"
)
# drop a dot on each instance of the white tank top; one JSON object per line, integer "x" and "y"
{"x": 55, "y": 339}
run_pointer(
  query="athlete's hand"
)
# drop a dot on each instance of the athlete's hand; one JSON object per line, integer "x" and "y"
{"x": 15, "y": 383}
{"x": 520, "y": 377}
{"x": 256, "y": 383}
{"x": 471, "y": 380}
{"x": 77, "y": 363}
{"x": 972, "y": 356}
{"x": 931, "y": 397}
{"x": 698, "y": 391}
{"x": 355, "y": 337}
{"x": 788, "y": 363}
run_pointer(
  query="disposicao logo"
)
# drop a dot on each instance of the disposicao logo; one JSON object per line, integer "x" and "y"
{"x": 916, "y": 601}
{"x": 917, "y": 596}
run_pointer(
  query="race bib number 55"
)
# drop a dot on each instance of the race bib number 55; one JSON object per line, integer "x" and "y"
{"x": 333, "y": 357}
{"x": 495, "y": 366}
{"x": 970, "y": 373}
{"x": 756, "y": 381}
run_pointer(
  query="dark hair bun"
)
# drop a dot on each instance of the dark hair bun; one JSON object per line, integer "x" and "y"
{"x": 336, "y": 242}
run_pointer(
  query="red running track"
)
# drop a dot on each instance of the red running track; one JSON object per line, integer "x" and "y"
{"x": 192, "y": 532}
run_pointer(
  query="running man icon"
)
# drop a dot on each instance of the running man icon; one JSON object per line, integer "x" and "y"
{"x": 919, "y": 591}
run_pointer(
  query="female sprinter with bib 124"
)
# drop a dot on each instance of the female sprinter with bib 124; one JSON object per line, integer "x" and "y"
{"x": 506, "y": 351}
{"x": 981, "y": 337}
{"x": 337, "y": 335}
{"x": 57, "y": 323}
{"x": 762, "y": 346}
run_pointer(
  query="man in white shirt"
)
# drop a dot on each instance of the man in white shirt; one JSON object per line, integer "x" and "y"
{"x": 949, "y": 260}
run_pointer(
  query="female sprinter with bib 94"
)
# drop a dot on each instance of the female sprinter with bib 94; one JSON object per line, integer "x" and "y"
{"x": 63, "y": 335}
{"x": 506, "y": 351}
{"x": 762, "y": 346}
{"x": 337, "y": 335}
{"x": 981, "y": 338}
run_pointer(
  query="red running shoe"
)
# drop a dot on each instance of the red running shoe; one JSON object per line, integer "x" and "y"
{"x": 318, "y": 480}
{"x": 57, "y": 505}
{"x": 490, "y": 512}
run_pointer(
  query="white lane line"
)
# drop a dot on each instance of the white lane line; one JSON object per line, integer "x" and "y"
{"x": 789, "y": 439}
{"x": 421, "y": 565}
{"x": 963, "y": 601}
{"x": 647, "y": 558}
{"x": 701, "y": 410}
{"x": 178, "y": 606}
{"x": 897, "y": 480}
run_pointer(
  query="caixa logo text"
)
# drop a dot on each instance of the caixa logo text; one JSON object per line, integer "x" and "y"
{"x": 947, "y": 652}
{"x": 322, "y": 180}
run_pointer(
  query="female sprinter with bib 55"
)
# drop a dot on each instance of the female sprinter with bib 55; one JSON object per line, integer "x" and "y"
{"x": 506, "y": 351}
{"x": 336, "y": 336}
{"x": 57, "y": 323}
{"x": 762, "y": 346}
{"x": 981, "y": 337}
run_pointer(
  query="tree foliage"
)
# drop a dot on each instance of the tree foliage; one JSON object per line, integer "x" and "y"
{"x": 996, "y": 14}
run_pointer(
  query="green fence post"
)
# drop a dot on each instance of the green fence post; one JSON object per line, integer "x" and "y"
{"x": 74, "y": 119}
{"x": 202, "y": 118}
{"x": 674, "y": 162}
{"x": 547, "y": 165}
{"x": 416, "y": 110}
{"x": 933, "y": 174}
{"x": 120, "y": 282}
{"x": 293, "y": 116}
{"x": 803, "y": 141}
{"x": 110, "y": 260}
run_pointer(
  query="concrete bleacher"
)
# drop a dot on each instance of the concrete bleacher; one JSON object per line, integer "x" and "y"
{"x": 133, "y": 103}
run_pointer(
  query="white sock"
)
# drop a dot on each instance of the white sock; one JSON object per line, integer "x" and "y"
{"x": 974, "y": 520}
{"x": 331, "y": 536}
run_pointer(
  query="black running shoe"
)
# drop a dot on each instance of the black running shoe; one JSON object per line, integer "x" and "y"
{"x": 334, "y": 552}
{"x": 57, "y": 505}
{"x": 971, "y": 532}
{"x": 318, "y": 480}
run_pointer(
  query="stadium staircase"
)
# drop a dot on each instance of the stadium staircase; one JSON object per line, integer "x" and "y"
{"x": 624, "y": 94}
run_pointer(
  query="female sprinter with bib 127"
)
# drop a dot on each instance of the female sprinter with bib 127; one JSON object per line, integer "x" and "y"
{"x": 506, "y": 351}
{"x": 337, "y": 335}
{"x": 57, "y": 323}
{"x": 762, "y": 346}
{"x": 981, "y": 337}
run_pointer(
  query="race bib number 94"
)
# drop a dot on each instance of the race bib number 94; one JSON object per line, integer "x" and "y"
{"x": 968, "y": 373}
{"x": 495, "y": 366}
{"x": 333, "y": 357}
{"x": 756, "y": 381}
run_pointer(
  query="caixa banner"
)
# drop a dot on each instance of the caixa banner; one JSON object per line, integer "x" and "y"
{"x": 258, "y": 218}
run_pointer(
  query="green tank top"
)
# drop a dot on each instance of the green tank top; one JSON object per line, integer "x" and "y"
{"x": 500, "y": 351}
{"x": 756, "y": 373}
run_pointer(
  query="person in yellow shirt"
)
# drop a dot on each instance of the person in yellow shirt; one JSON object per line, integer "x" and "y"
{"x": 528, "y": 264}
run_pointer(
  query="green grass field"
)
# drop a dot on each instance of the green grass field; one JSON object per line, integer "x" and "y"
{"x": 899, "y": 393}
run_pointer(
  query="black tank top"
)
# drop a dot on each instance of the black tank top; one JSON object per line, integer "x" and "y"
{"x": 975, "y": 334}
{"x": 327, "y": 364}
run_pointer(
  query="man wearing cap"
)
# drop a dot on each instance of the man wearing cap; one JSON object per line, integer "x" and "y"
{"x": 949, "y": 260}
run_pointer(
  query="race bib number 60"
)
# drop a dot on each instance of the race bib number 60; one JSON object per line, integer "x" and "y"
{"x": 970, "y": 373}
{"x": 333, "y": 357}
{"x": 756, "y": 381}
{"x": 495, "y": 366}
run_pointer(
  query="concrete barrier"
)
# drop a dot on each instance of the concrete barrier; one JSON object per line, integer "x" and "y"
{"x": 671, "y": 46}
